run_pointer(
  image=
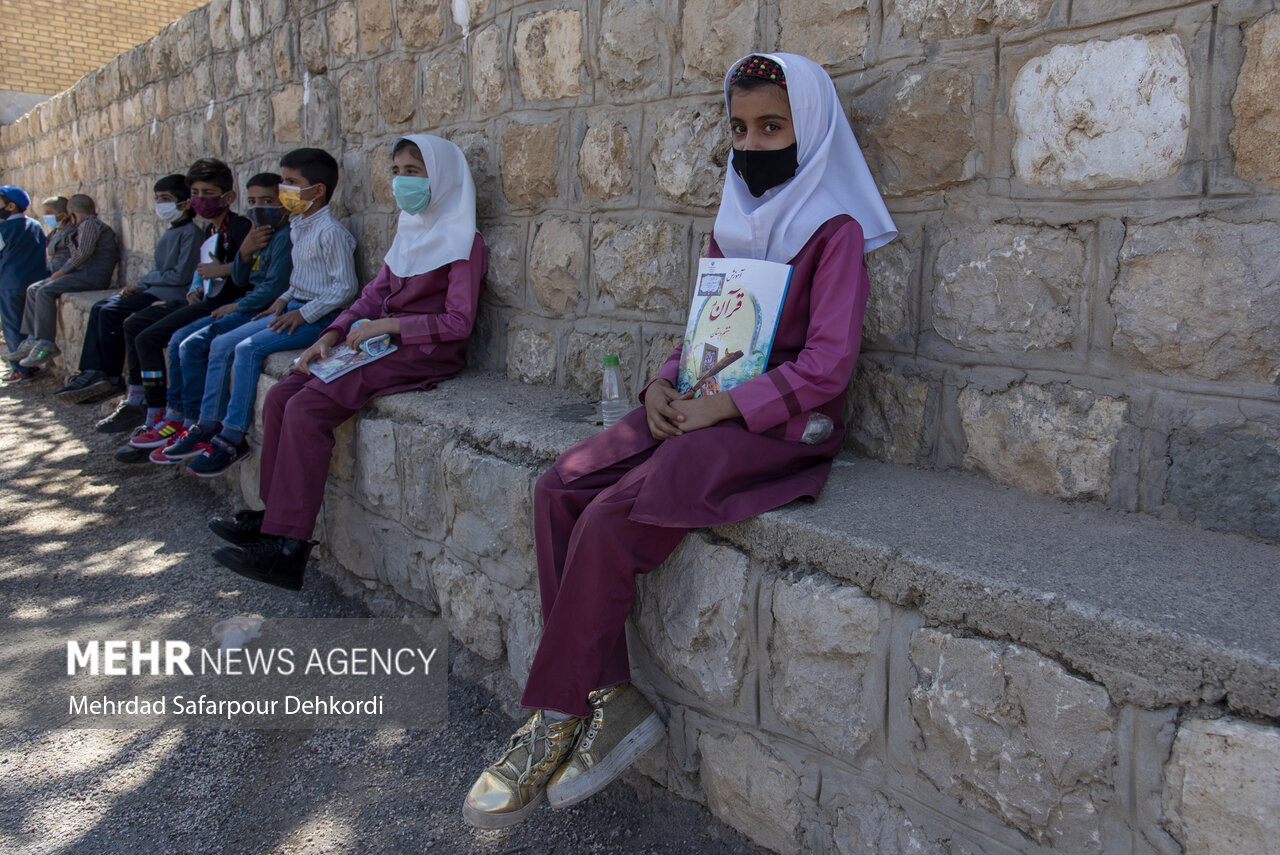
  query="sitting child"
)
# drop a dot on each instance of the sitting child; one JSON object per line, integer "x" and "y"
{"x": 424, "y": 298}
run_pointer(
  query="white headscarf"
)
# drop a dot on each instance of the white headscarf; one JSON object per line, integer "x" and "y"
{"x": 832, "y": 178}
{"x": 444, "y": 231}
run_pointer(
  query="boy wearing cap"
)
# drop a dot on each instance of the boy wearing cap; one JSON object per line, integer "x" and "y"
{"x": 21, "y": 263}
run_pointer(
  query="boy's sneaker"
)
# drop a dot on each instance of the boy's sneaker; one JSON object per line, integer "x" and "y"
{"x": 23, "y": 349}
{"x": 126, "y": 417}
{"x": 217, "y": 456}
{"x": 157, "y": 436}
{"x": 622, "y": 727}
{"x": 83, "y": 386}
{"x": 185, "y": 445}
{"x": 41, "y": 352}
{"x": 129, "y": 453}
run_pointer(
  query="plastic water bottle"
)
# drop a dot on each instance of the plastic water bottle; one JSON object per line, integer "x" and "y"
{"x": 614, "y": 401}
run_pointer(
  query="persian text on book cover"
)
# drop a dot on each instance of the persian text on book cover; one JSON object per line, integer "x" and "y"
{"x": 735, "y": 309}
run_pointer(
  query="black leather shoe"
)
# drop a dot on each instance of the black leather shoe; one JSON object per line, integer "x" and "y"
{"x": 129, "y": 454}
{"x": 241, "y": 528}
{"x": 126, "y": 417}
{"x": 278, "y": 561}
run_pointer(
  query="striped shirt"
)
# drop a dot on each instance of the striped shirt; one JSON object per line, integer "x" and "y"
{"x": 324, "y": 265}
{"x": 83, "y": 241}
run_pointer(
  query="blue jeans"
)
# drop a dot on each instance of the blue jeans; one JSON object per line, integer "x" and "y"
{"x": 189, "y": 359}
{"x": 237, "y": 356}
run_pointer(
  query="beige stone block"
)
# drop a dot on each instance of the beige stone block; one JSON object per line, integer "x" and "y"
{"x": 715, "y": 33}
{"x": 751, "y": 788}
{"x": 420, "y": 21}
{"x": 343, "y": 29}
{"x": 530, "y": 164}
{"x": 488, "y": 67}
{"x": 634, "y": 47}
{"x": 355, "y": 97}
{"x": 604, "y": 161}
{"x": 375, "y": 25}
{"x": 506, "y": 277}
{"x": 641, "y": 266}
{"x": 480, "y": 152}
{"x": 1050, "y": 439}
{"x": 690, "y": 154}
{"x": 233, "y": 123}
{"x": 377, "y": 481}
{"x": 1256, "y": 104}
{"x": 472, "y": 604}
{"x": 490, "y": 515}
{"x": 548, "y": 54}
{"x": 1102, "y": 113}
{"x": 1222, "y": 786}
{"x": 932, "y": 20}
{"x": 313, "y": 44}
{"x": 886, "y": 414}
{"x": 255, "y": 14}
{"x": 426, "y": 500}
{"x": 286, "y": 108}
{"x": 891, "y": 270}
{"x": 219, "y": 14}
{"x": 1009, "y": 731}
{"x": 557, "y": 265}
{"x": 443, "y": 93}
{"x": 831, "y": 32}
{"x": 1199, "y": 298}
{"x": 258, "y": 126}
{"x": 248, "y": 72}
{"x": 283, "y": 42}
{"x": 584, "y": 359}
{"x": 531, "y": 356}
{"x": 235, "y": 22}
{"x": 395, "y": 90}
{"x": 1009, "y": 289}
{"x": 656, "y": 352}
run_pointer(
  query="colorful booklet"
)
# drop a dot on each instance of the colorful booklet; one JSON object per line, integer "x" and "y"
{"x": 732, "y": 322}
{"x": 343, "y": 360}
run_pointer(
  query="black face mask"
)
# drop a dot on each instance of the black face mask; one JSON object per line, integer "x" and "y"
{"x": 764, "y": 170}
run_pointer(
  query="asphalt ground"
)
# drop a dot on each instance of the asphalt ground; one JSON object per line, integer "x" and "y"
{"x": 84, "y": 536}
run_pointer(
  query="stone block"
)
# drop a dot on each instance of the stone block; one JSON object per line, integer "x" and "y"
{"x": 255, "y": 21}
{"x": 374, "y": 18}
{"x": 933, "y": 20}
{"x": 286, "y": 108}
{"x": 604, "y": 161}
{"x": 248, "y": 71}
{"x": 1255, "y": 139}
{"x": 556, "y": 265}
{"x": 1011, "y": 732}
{"x": 421, "y": 23}
{"x": 355, "y": 97}
{"x": 1198, "y": 297}
{"x": 235, "y": 21}
{"x": 641, "y": 266}
{"x": 283, "y": 46}
{"x": 530, "y": 164}
{"x": 1102, "y": 113}
{"x": 1222, "y": 786}
{"x": 752, "y": 789}
{"x": 1050, "y": 439}
{"x": 531, "y": 356}
{"x": 584, "y": 359}
{"x": 472, "y": 605}
{"x": 873, "y": 823}
{"x": 506, "y": 277}
{"x": 634, "y": 49}
{"x": 342, "y": 463}
{"x": 320, "y": 114}
{"x": 831, "y": 32}
{"x": 233, "y": 122}
{"x": 548, "y": 54}
{"x": 488, "y": 67}
{"x": 690, "y": 154}
{"x": 918, "y": 129}
{"x": 257, "y": 128}
{"x": 887, "y": 414}
{"x": 823, "y": 652}
{"x": 443, "y": 95}
{"x": 522, "y": 625}
{"x": 219, "y": 14}
{"x": 694, "y": 615}
{"x": 1227, "y": 478}
{"x": 377, "y": 472}
{"x": 1005, "y": 289}
{"x": 343, "y": 29}
{"x": 395, "y": 90}
{"x": 490, "y": 515}
{"x": 377, "y": 549}
{"x": 715, "y": 34}
{"x": 313, "y": 45}
{"x": 888, "y": 318}
{"x": 656, "y": 352}
{"x": 477, "y": 147}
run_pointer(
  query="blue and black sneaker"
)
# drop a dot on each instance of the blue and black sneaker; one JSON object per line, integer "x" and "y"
{"x": 185, "y": 445}
{"x": 217, "y": 456}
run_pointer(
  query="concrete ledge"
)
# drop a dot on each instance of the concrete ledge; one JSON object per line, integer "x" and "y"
{"x": 920, "y": 661}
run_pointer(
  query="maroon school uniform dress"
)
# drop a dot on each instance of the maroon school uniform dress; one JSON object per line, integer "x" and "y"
{"x": 619, "y": 503}
{"x": 436, "y": 311}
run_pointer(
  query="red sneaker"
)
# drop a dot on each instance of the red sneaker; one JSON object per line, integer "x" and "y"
{"x": 158, "y": 436}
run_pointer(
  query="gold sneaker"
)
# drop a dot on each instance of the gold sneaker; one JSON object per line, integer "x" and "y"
{"x": 622, "y": 727}
{"x": 511, "y": 788}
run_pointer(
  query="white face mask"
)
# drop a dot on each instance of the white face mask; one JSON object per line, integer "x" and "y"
{"x": 168, "y": 211}
{"x": 50, "y": 221}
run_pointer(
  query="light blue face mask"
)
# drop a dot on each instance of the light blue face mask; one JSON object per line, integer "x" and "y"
{"x": 50, "y": 221}
{"x": 412, "y": 192}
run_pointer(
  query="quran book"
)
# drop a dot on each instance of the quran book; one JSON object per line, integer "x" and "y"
{"x": 732, "y": 321}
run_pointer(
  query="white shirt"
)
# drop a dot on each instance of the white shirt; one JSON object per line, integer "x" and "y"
{"x": 324, "y": 265}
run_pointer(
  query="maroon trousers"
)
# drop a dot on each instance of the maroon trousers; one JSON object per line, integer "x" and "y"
{"x": 589, "y": 553}
{"x": 297, "y": 440}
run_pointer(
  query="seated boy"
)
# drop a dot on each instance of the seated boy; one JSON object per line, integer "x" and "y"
{"x": 93, "y": 251}
{"x": 21, "y": 263}
{"x": 263, "y": 263}
{"x": 322, "y": 282}
{"x": 102, "y": 352}
{"x": 58, "y": 221}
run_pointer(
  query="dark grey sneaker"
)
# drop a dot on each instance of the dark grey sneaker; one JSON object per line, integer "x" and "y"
{"x": 621, "y": 729}
{"x": 126, "y": 417}
{"x": 23, "y": 349}
{"x": 83, "y": 386}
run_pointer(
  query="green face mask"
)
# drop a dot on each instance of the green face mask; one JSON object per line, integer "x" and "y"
{"x": 412, "y": 192}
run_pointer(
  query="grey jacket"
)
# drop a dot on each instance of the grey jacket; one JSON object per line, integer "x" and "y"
{"x": 177, "y": 253}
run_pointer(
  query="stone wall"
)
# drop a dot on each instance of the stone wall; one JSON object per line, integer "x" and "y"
{"x": 1082, "y": 302}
